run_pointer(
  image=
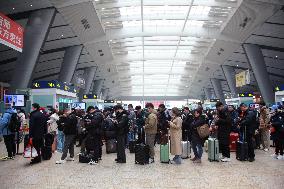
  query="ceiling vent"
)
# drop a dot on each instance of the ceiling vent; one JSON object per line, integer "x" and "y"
{"x": 85, "y": 23}
{"x": 245, "y": 22}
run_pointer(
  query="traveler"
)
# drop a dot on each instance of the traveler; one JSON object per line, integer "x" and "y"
{"x": 151, "y": 130}
{"x": 69, "y": 130}
{"x": 187, "y": 120}
{"x": 140, "y": 122}
{"x": 8, "y": 135}
{"x": 248, "y": 126}
{"x": 197, "y": 141}
{"x": 20, "y": 133}
{"x": 277, "y": 133}
{"x": 60, "y": 134}
{"x": 163, "y": 125}
{"x": 132, "y": 129}
{"x": 234, "y": 117}
{"x": 176, "y": 135}
{"x": 38, "y": 128}
{"x": 52, "y": 127}
{"x": 93, "y": 125}
{"x": 121, "y": 132}
{"x": 223, "y": 123}
{"x": 264, "y": 126}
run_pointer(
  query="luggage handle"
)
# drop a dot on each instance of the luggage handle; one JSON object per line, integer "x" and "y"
{"x": 186, "y": 131}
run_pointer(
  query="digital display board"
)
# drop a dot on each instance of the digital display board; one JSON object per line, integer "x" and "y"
{"x": 16, "y": 100}
{"x": 79, "y": 105}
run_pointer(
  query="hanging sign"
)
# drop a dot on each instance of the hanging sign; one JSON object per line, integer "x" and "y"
{"x": 90, "y": 96}
{"x": 11, "y": 33}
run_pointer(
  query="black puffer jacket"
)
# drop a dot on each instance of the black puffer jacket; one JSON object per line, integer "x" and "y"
{"x": 249, "y": 122}
{"x": 197, "y": 122}
{"x": 122, "y": 123}
{"x": 38, "y": 125}
{"x": 163, "y": 118}
{"x": 224, "y": 126}
{"x": 70, "y": 124}
{"x": 95, "y": 123}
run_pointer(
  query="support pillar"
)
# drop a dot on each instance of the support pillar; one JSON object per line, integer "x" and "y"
{"x": 35, "y": 34}
{"x": 218, "y": 89}
{"x": 258, "y": 66}
{"x": 98, "y": 84}
{"x": 89, "y": 77}
{"x": 230, "y": 73}
{"x": 68, "y": 67}
{"x": 208, "y": 93}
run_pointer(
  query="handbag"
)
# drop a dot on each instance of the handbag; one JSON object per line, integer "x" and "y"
{"x": 30, "y": 151}
{"x": 203, "y": 131}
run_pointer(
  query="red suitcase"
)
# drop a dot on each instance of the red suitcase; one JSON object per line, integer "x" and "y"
{"x": 234, "y": 137}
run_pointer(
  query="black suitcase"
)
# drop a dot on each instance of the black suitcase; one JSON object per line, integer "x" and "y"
{"x": 111, "y": 146}
{"x": 48, "y": 139}
{"x": 85, "y": 158}
{"x": 46, "y": 152}
{"x": 242, "y": 151}
{"x": 142, "y": 154}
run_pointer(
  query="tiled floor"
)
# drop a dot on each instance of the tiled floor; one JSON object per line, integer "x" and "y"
{"x": 263, "y": 173}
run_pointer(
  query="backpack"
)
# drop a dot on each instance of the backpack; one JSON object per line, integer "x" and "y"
{"x": 203, "y": 131}
{"x": 15, "y": 123}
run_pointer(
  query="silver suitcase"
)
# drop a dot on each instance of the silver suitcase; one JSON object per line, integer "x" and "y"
{"x": 186, "y": 149}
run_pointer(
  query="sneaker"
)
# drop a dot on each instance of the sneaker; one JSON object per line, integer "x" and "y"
{"x": 197, "y": 161}
{"x": 274, "y": 156}
{"x": 60, "y": 162}
{"x": 151, "y": 160}
{"x": 225, "y": 159}
{"x": 93, "y": 163}
{"x": 70, "y": 159}
{"x": 265, "y": 149}
{"x": 251, "y": 160}
{"x": 221, "y": 156}
{"x": 4, "y": 158}
{"x": 280, "y": 157}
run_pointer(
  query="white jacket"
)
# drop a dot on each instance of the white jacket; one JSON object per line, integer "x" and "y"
{"x": 52, "y": 125}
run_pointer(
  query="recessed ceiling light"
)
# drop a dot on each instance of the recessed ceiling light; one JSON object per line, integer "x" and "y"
{"x": 31, "y": 5}
{"x": 237, "y": 65}
{"x": 62, "y": 35}
{"x": 13, "y": 8}
{"x": 276, "y": 56}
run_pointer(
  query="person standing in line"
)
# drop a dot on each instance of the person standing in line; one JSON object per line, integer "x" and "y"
{"x": 264, "y": 119}
{"x": 132, "y": 129}
{"x": 38, "y": 128}
{"x": 248, "y": 126}
{"x": 52, "y": 127}
{"x": 223, "y": 123}
{"x": 176, "y": 135}
{"x": 197, "y": 141}
{"x": 69, "y": 129}
{"x": 151, "y": 130}
{"x": 8, "y": 135}
{"x": 121, "y": 132}
{"x": 140, "y": 122}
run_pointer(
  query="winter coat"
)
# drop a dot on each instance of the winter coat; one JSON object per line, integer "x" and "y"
{"x": 95, "y": 127}
{"x": 264, "y": 118}
{"x": 38, "y": 127}
{"x": 151, "y": 123}
{"x": 4, "y": 122}
{"x": 197, "y": 122}
{"x": 224, "y": 126}
{"x": 122, "y": 123}
{"x": 277, "y": 121}
{"x": 163, "y": 118}
{"x": 249, "y": 122}
{"x": 140, "y": 122}
{"x": 176, "y": 136}
{"x": 52, "y": 123}
{"x": 70, "y": 125}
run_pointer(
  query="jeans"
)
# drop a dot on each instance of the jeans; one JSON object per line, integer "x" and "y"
{"x": 130, "y": 137}
{"x": 60, "y": 141}
{"x": 197, "y": 150}
{"x": 10, "y": 144}
{"x": 150, "y": 140}
{"x": 68, "y": 146}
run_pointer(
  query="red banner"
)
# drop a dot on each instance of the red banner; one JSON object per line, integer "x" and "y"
{"x": 11, "y": 33}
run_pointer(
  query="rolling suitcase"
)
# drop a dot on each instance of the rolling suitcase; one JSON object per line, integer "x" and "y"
{"x": 165, "y": 152}
{"x": 142, "y": 153}
{"x": 186, "y": 149}
{"x": 242, "y": 149}
{"x": 234, "y": 137}
{"x": 213, "y": 149}
{"x": 111, "y": 146}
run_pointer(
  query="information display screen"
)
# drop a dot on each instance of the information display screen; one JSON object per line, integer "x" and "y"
{"x": 15, "y": 100}
{"x": 79, "y": 105}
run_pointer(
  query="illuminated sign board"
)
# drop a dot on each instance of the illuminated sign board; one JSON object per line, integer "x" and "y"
{"x": 108, "y": 101}
{"x": 53, "y": 85}
{"x": 245, "y": 95}
{"x": 279, "y": 88}
{"x": 214, "y": 100}
{"x": 89, "y": 96}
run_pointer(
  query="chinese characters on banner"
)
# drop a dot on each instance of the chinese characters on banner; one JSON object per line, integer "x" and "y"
{"x": 11, "y": 33}
{"x": 243, "y": 78}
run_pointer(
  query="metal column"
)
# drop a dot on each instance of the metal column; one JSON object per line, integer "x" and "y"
{"x": 208, "y": 93}
{"x": 258, "y": 66}
{"x": 230, "y": 73}
{"x": 89, "y": 77}
{"x": 98, "y": 84}
{"x": 35, "y": 34}
{"x": 218, "y": 89}
{"x": 68, "y": 67}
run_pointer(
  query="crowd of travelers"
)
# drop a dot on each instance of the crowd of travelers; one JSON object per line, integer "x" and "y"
{"x": 257, "y": 127}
